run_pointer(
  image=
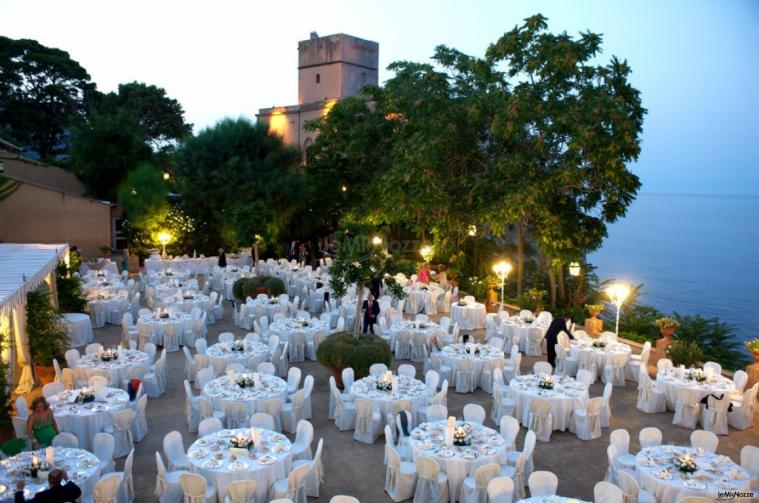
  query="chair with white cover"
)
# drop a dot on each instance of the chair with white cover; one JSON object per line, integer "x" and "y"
{"x": 614, "y": 370}
{"x": 586, "y": 423}
{"x": 315, "y": 476}
{"x": 262, "y": 420}
{"x": 503, "y": 404}
{"x": 367, "y": 421}
{"x": 171, "y": 337}
{"x": 126, "y": 491}
{"x": 65, "y": 439}
{"x": 518, "y": 470}
{"x": 688, "y": 408}
{"x": 566, "y": 365}
{"x": 714, "y": 415}
{"x": 474, "y": 488}
{"x": 501, "y": 490}
{"x": 419, "y": 347}
{"x": 72, "y": 357}
{"x": 104, "y": 446}
{"x": 52, "y": 389}
{"x": 403, "y": 345}
{"x": 341, "y": 498}
{"x": 714, "y": 368}
{"x": 407, "y": 370}
{"x": 585, "y": 376}
{"x": 651, "y": 399}
{"x": 304, "y": 436}
{"x": 431, "y": 383}
{"x": 474, "y": 413}
{"x": 273, "y": 407}
{"x": 377, "y": 369}
{"x": 173, "y": 449}
{"x": 704, "y": 439}
{"x": 209, "y": 426}
{"x": 534, "y": 341}
{"x": 512, "y": 366}
{"x": 742, "y": 415}
{"x": 542, "y": 484}
{"x": 121, "y": 429}
{"x": 68, "y": 378}
{"x": 236, "y": 414}
{"x": 345, "y": 411}
{"x": 266, "y": 368}
{"x": 436, "y": 412}
{"x": 294, "y": 486}
{"x": 663, "y": 364}
{"x": 586, "y": 361}
{"x": 297, "y": 347}
{"x": 167, "y": 486}
{"x": 154, "y": 383}
{"x": 107, "y": 489}
{"x": 241, "y": 491}
{"x": 200, "y": 346}
{"x": 432, "y": 484}
{"x": 400, "y": 477}
{"x": 140, "y": 423}
{"x": 226, "y": 337}
{"x": 750, "y": 463}
{"x": 196, "y": 489}
{"x": 190, "y": 369}
{"x": 606, "y": 406}
{"x": 541, "y": 419}
{"x": 740, "y": 379}
{"x": 649, "y": 437}
{"x": 620, "y": 439}
{"x": 637, "y": 362}
{"x": 444, "y": 371}
{"x": 292, "y": 412}
{"x": 465, "y": 376}
{"x": 509, "y": 429}
{"x": 606, "y": 492}
{"x": 97, "y": 381}
{"x": 631, "y": 488}
{"x": 542, "y": 368}
{"x": 93, "y": 348}
{"x": 191, "y": 408}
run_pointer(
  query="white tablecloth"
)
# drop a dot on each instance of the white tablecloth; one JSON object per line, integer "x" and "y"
{"x": 186, "y": 304}
{"x": 116, "y": 369}
{"x": 429, "y": 328}
{"x": 716, "y": 474}
{"x": 286, "y": 327}
{"x": 458, "y": 462}
{"x": 221, "y": 355}
{"x": 382, "y": 401}
{"x": 418, "y": 296}
{"x": 469, "y": 317}
{"x": 101, "y": 305}
{"x": 488, "y": 358}
{"x": 271, "y": 461}
{"x": 601, "y": 356}
{"x": 169, "y": 289}
{"x": 167, "y": 276}
{"x": 566, "y": 396}
{"x": 516, "y": 327}
{"x": 106, "y": 265}
{"x": 85, "y": 420}
{"x": 220, "y": 391}
{"x": 158, "y": 325}
{"x": 94, "y": 286}
{"x": 271, "y": 306}
{"x": 79, "y": 327}
{"x": 674, "y": 381}
{"x": 82, "y": 467}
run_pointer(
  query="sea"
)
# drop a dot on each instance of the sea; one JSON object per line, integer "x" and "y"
{"x": 694, "y": 254}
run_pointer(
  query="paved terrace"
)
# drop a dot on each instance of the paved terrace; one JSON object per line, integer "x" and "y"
{"x": 357, "y": 469}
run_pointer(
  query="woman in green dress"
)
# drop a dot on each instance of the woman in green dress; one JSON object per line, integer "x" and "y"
{"x": 41, "y": 426}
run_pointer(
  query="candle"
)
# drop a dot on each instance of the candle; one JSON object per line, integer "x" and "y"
{"x": 451, "y": 422}
{"x": 50, "y": 455}
{"x": 35, "y": 461}
{"x": 388, "y": 376}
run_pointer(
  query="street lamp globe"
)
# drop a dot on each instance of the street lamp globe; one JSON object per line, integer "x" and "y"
{"x": 426, "y": 253}
{"x": 376, "y": 240}
{"x": 502, "y": 268}
{"x": 574, "y": 269}
{"x": 617, "y": 293}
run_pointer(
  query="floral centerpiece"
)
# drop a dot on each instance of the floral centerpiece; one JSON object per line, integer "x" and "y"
{"x": 599, "y": 343}
{"x": 240, "y": 441}
{"x": 461, "y": 437}
{"x": 188, "y": 296}
{"x": 109, "y": 355}
{"x": 473, "y": 349}
{"x": 527, "y": 319}
{"x": 85, "y": 396}
{"x": 697, "y": 375}
{"x": 545, "y": 383}
{"x": 301, "y": 322}
{"x": 685, "y": 463}
{"x": 234, "y": 269}
{"x": 237, "y": 346}
{"x": 385, "y": 383}
{"x": 245, "y": 381}
{"x": 273, "y": 301}
{"x": 462, "y": 303}
{"x": 168, "y": 272}
{"x": 100, "y": 274}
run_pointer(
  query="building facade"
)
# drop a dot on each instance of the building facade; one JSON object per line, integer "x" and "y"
{"x": 329, "y": 68}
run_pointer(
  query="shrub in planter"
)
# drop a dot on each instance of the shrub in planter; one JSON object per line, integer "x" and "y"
{"x": 238, "y": 289}
{"x": 69, "y": 287}
{"x": 48, "y": 337}
{"x": 342, "y": 350}
{"x": 685, "y": 353}
{"x": 275, "y": 285}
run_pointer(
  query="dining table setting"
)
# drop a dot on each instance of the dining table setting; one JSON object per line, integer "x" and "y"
{"x": 101, "y": 303}
{"x": 252, "y": 388}
{"x": 482, "y": 356}
{"x": 383, "y": 391}
{"x": 247, "y": 353}
{"x": 565, "y": 394}
{"x": 676, "y": 381}
{"x": 112, "y": 362}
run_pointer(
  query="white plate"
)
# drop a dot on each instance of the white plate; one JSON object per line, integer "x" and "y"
{"x": 694, "y": 484}
{"x": 266, "y": 460}
{"x": 212, "y": 463}
{"x": 238, "y": 466}
{"x": 226, "y": 433}
{"x": 198, "y": 453}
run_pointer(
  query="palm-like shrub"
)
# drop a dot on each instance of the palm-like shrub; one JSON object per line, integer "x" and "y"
{"x": 343, "y": 350}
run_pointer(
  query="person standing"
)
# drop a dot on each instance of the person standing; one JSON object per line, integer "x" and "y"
{"x": 558, "y": 325}
{"x": 292, "y": 251}
{"x": 222, "y": 258}
{"x": 371, "y": 310}
{"x": 424, "y": 274}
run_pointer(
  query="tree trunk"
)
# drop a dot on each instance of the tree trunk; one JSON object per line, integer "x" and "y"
{"x": 255, "y": 257}
{"x": 520, "y": 259}
{"x": 539, "y": 269}
{"x": 562, "y": 286}
{"x": 552, "y": 282}
{"x": 357, "y": 320}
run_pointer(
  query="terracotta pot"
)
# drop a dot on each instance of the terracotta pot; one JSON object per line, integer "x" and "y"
{"x": 338, "y": 374}
{"x": 45, "y": 374}
{"x": 755, "y": 354}
{"x": 594, "y": 313}
{"x": 261, "y": 289}
{"x": 667, "y": 332}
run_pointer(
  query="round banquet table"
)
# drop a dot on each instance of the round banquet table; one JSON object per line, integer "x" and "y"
{"x": 488, "y": 358}
{"x": 285, "y": 327}
{"x": 566, "y": 396}
{"x": 86, "y": 419}
{"x": 469, "y": 316}
{"x": 601, "y": 356}
{"x": 517, "y": 327}
{"x": 270, "y": 305}
{"x": 418, "y": 297}
{"x": 102, "y": 285}
{"x": 82, "y": 467}
{"x": 220, "y": 391}
{"x": 157, "y": 325}
{"x": 268, "y": 462}
{"x": 412, "y": 390}
{"x": 164, "y": 277}
{"x": 429, "y": 328}
{"x": 116, "y": 370}
{"x": 716, "y": 473}
{"x": 487, "y": 446}
{"x": 186, "y": 304}
{"x": 674, "y": 381}
{"x": 79, "y": 327}
{"x": 101, "y": 305}
{"x": 222, "y": 355}
{"x": 170, "y": 289}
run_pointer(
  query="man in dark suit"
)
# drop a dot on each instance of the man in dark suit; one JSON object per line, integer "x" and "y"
{"x": 61, "y": 490}
{"x": 558, "y": 325}
{"x": 222, "y": 258}
{"x": 371, "y": 310}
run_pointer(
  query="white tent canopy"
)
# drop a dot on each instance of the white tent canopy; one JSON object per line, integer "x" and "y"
{"x": 23, "y": 268}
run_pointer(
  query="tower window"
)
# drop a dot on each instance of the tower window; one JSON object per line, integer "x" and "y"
{"x": 318, "y": 78}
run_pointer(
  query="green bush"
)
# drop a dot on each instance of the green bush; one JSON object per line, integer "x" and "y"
{"x": 275, "y": 285}
{"x": 70, "y": 296}
{"x": 246, "y": 287}
{"x": 48, "y": 337}
{"x": 238, "y": 289}
{"x": 632, "y": 336}
{"x": 342, "y": 350}
{"x": 684, "y": 353}
{"x": 716, "y": 339}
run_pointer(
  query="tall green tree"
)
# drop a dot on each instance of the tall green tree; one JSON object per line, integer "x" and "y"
{"x": 237, "y": 180}
{"x": 144, "y": 196}
{"x": 42, "y": 91}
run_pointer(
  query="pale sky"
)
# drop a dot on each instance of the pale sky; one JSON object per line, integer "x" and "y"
{"x": 696, "y": 62}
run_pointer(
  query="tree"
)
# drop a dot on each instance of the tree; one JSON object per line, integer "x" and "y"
{"x": 105, "y": 149}
{"x": 160, "y": 117}
{"x": 42, "y": 90}
{"x": 143, "y": 196}
{"x": 237, "y": 180}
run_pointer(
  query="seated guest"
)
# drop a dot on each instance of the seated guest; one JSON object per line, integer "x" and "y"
{"x": 41, "y": 426}
{"x": 61, "y": 489}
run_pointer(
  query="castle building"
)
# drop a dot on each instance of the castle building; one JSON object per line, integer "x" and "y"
{"x": 329, "y": 68}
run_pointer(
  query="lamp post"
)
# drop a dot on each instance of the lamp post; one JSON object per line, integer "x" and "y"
{"x": 426, "y": 253}
{"x": 502, "y": 269}
{"x": 617, "y": 293}
{"x": 376, "y": 240}
{"x": 164, "y": 238}
{"x": 574, "y": 269}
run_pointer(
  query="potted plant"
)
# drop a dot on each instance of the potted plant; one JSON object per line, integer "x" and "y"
{"x": 106, "y": 251}
{"x": 753, "y": 347}
{"x": 594, "y": 325}
{"x": 342, "y": 350}
{"x": 48, "y": 337}
{"x": 69, "y": 288}
{"x": 594, "y": 309}
{"x": 685, "y": 353}
{"x": 667, "y": 326}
